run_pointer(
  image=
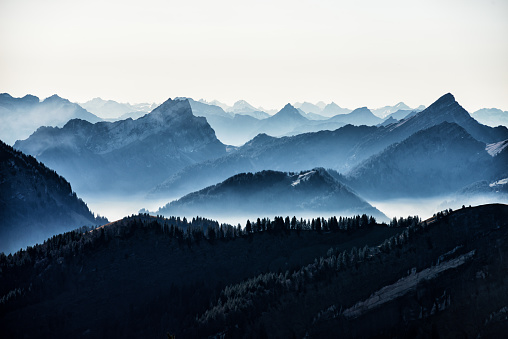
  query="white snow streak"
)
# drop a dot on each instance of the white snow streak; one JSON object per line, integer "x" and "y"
{"x": 495, "y": 148}
{"x": 302, "y": 177}
{"x": 499, "y": 182}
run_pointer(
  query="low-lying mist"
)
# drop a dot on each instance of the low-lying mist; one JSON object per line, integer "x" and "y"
{"x": 426, "y": 207}
{"x": 115, "y": 207}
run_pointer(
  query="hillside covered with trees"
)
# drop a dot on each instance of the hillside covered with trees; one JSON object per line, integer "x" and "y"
{"x": 147, "y": 276}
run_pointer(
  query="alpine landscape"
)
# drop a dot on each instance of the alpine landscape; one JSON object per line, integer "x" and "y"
{"x": 301, "y": 199}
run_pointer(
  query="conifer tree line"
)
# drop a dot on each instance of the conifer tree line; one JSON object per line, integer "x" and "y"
{"x": 184, "y": 232}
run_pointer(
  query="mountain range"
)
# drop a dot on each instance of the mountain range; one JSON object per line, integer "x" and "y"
{"x": 431, "y": 162}
{"x": 342, "y": 149}
{"x": 35, "y": 202}
{"x": 238, "y": 128}
{"x": 20, "y": 117}
{"x": 491, "y": 117}
{"x": 322, "y": 109}
{"x": 127, "y": 155}
{"x": 112, "y": 110}
{"x": 328, "y": 264}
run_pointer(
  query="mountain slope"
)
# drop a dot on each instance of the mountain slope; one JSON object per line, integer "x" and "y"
{"x": 308, "y": 107}
{"x": 201, "y": 109}
{"x": 20, "y": 117}
{"x": 328, "y": 149}
{"x": 402, "y": 114}
{"x": 445, "y": 109}
{"x": 271, "y": 192}
{"x": 127, "y": 155}
{"x": 383, "y": 112}
{"x": 449, "y": 110}
{"x": 35, "y": 202}
{"x": 438, "y": 160}
{"x": 358, "y": 117}
{"x": 234, "y": 131}
{"x": 442, "y": 278}
{"x": 283, "y": 122}
{"x": 145, "y": 277}
{"x": 491, "y": 117}
{"x": 333, "y": 109}
{"x": 112, "y": 110}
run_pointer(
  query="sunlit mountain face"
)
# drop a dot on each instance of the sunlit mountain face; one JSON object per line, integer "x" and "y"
{"x": 200, "y": 219}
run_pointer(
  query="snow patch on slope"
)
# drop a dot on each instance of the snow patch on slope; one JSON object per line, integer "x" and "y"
{"x": 302, "y": 177}
{"x": 496, "y": 148}
{"x": 499, "y": 182}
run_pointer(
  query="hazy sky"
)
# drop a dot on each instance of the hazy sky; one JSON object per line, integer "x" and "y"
{"x": 356, "y": 53}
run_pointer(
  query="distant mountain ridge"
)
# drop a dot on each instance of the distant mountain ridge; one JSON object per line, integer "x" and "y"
{"x": 345, "y": 147}
{"x": 20, "y": 117}
{"x": 112, "y": 110}
{"x": 35, "y": 202}
{"x": 358, "y": 117}
{"x": 383, "y": 112}
{"x": 326, "y": 110}
{"x": 128, "y": 154}
{"x": 492, "y": 117}
{"x": 435, "y": 161}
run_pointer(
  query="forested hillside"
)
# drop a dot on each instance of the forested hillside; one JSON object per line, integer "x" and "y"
{"x": 151, "y": 276}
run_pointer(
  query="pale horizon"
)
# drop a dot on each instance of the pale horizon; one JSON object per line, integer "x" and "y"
{"x": 358, "y": 54}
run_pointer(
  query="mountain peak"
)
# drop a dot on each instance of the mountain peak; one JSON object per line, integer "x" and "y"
{"x": 447, "y": 98}
{"x": 361, "y": 111}
{"x": 54, "y": 97}
{"x": 176, "y": 107}
{"x": 242, "y": 106}
{"x": 289, "y": 111}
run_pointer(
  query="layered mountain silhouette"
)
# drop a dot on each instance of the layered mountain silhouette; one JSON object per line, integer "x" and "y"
{"x": 342, "y": 149}
{"x": 273, "y": 192}
{"x": 385, "y": 111}
{"x": 127, "y": 155}
{"x": 491, "y": 117}
{"x": 327, "y": 149}
{"x": 112, "y": 110}
{"x": 445, "y": 109}
{"x": 431, "y": 162}
{"x": 20, "y": 117}
{"x": 285, "y": 121}
{"x": 35, "y": 202}
{"x": 322, "y": 109}
{"x": 333, "y": 109}
{"x": 358, "y": 117}
{"x": 402, "y": 114}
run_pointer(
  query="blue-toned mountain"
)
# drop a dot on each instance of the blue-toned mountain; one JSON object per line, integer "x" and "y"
{"x": 20, "y": 117}
{"x": 127, "y": 155}
{"x": 35, "y": 202}
{"x": 273, "y": 192}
